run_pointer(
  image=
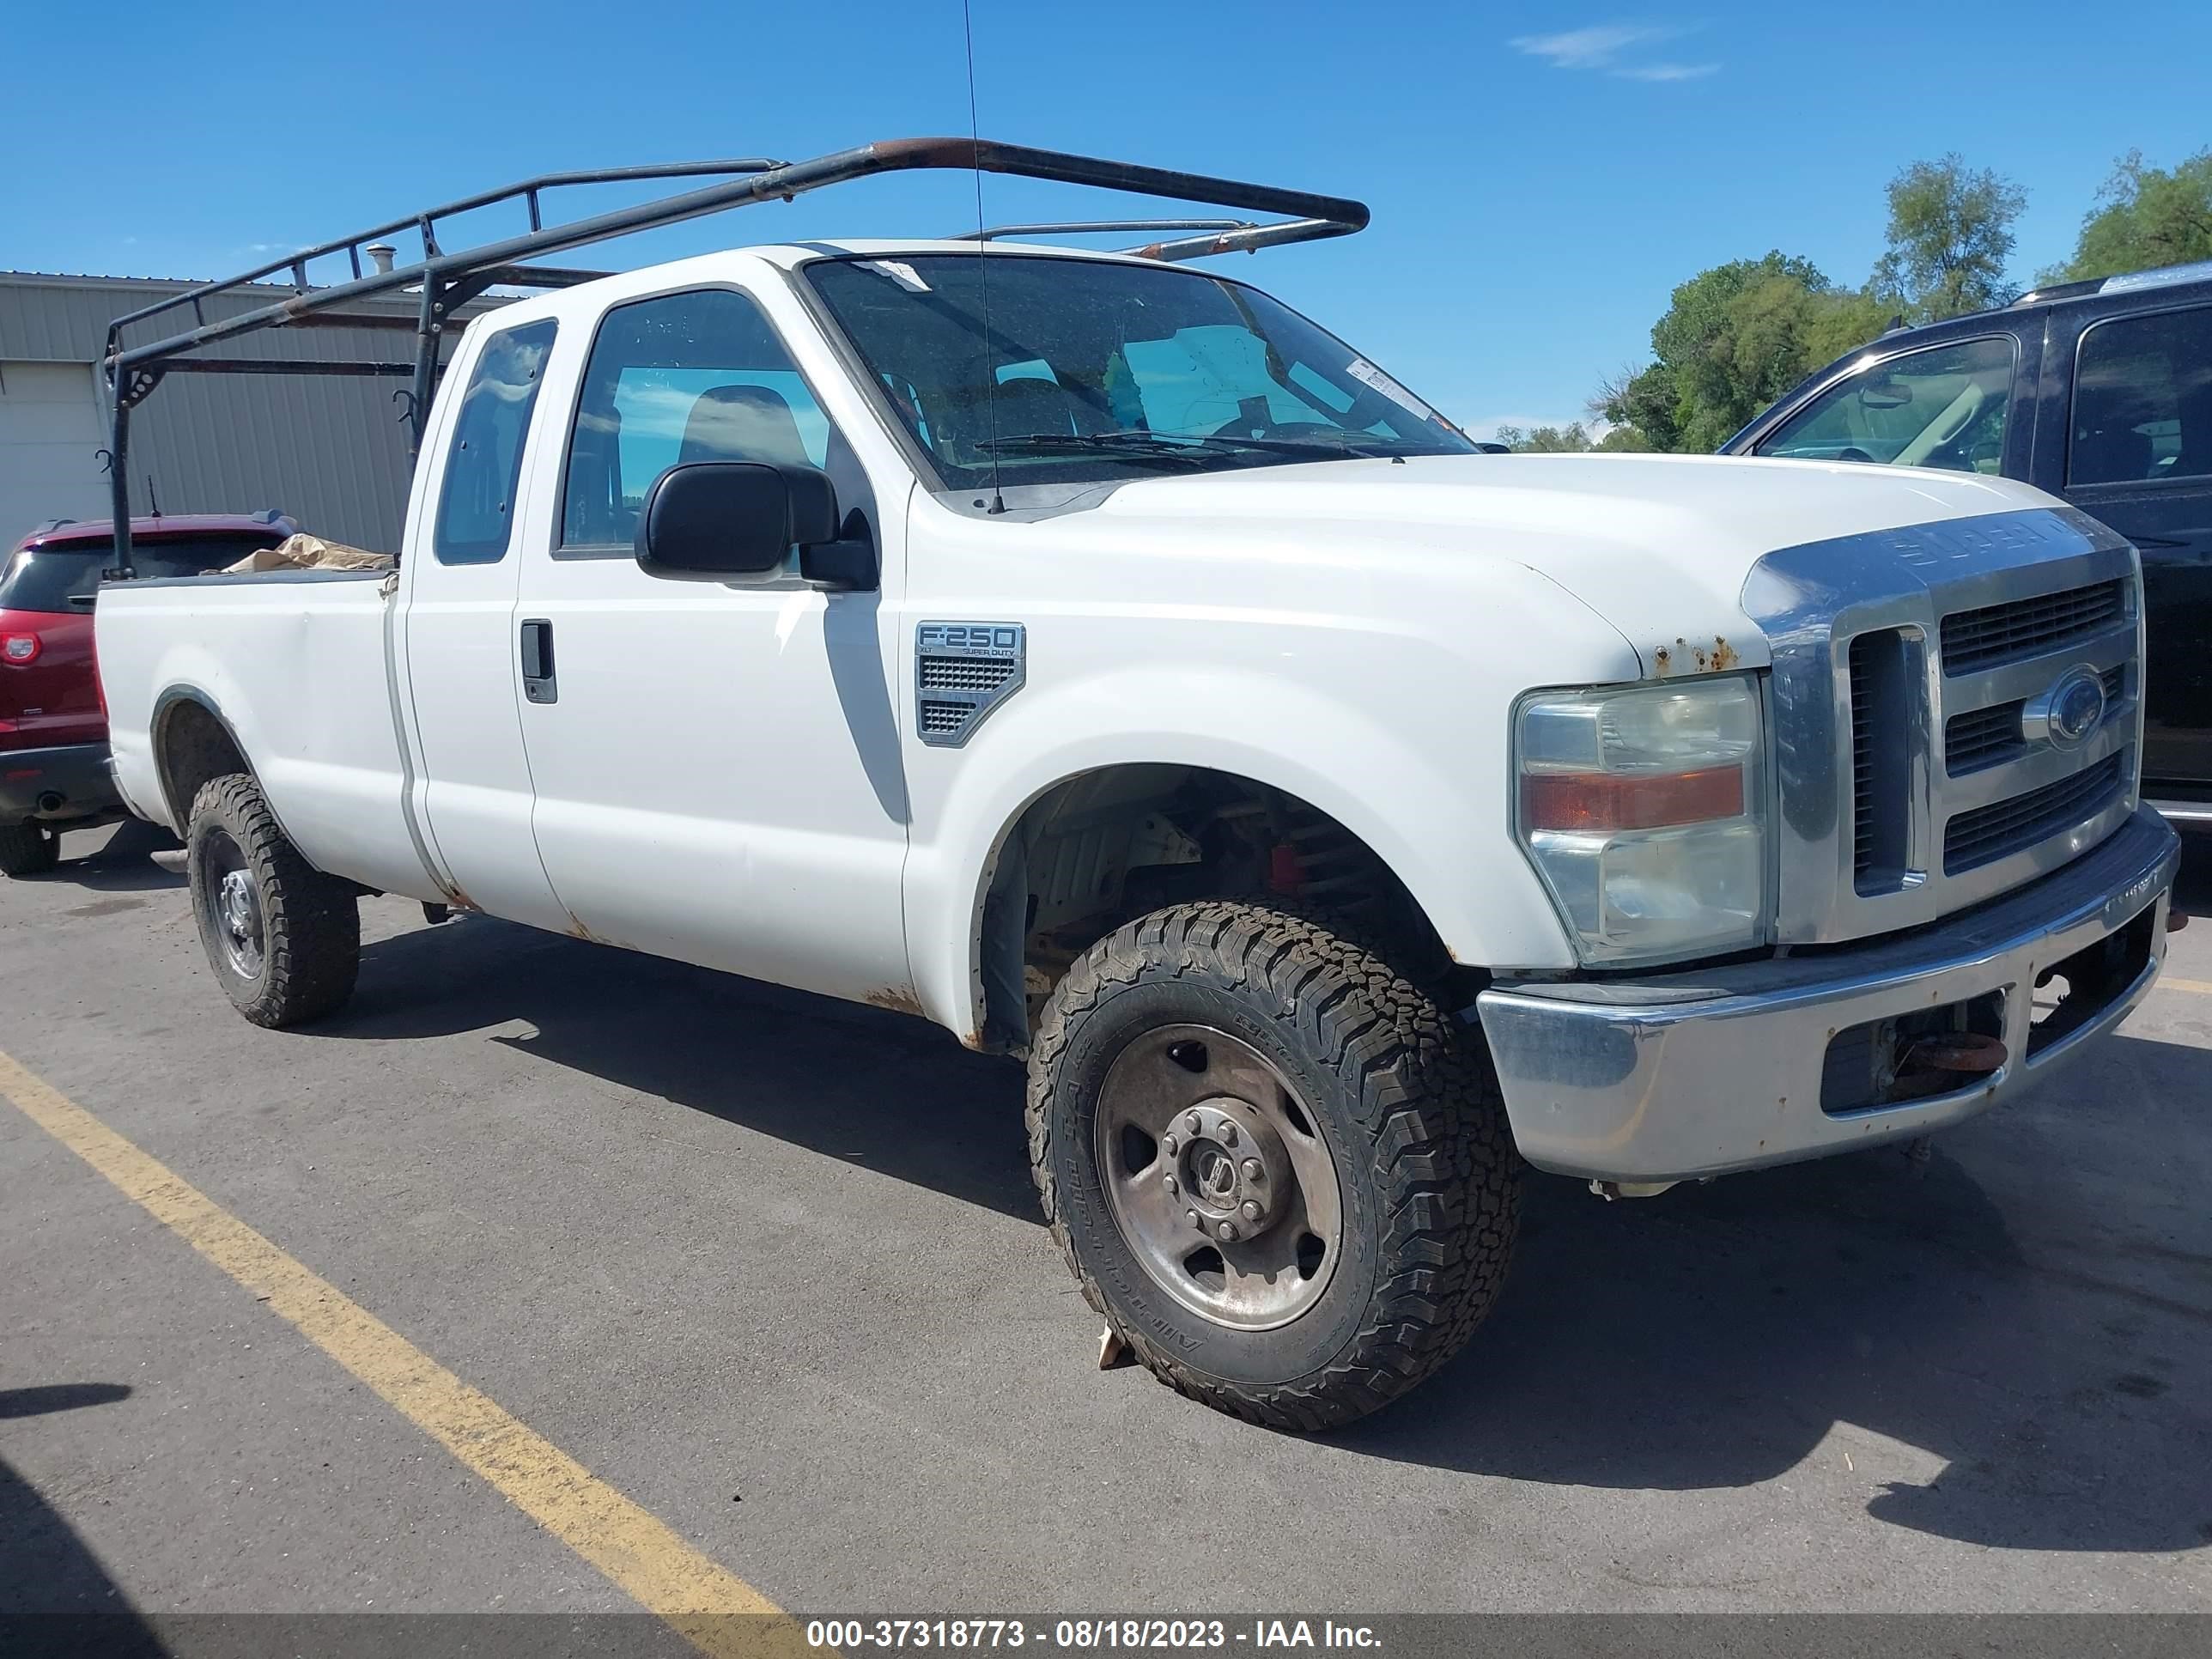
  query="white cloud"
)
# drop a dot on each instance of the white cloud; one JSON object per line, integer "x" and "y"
{"x": 1595, "y": 48}
{"x": 1601, "y": 46}
{"x": 1667, "y": 71}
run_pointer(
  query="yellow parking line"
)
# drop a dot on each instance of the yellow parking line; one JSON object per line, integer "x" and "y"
{"x": 2168, "y": 982}
{"x": 639, "y": 1553}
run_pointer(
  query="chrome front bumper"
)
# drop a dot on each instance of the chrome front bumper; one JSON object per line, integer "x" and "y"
{"x": 1668, "y": 1076}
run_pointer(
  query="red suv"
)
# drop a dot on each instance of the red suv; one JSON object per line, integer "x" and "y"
{"x": 53, "y": 729}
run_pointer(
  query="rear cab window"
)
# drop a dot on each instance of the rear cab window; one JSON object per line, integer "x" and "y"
{"x": 483, "y": 466}
{"x": 2143, "y": 400}
{"x": 1943, "y": 406}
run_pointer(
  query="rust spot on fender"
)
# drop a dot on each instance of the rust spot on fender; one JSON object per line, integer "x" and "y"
{"x": 899, "y": 998}
{"x": 1684, "y": 656}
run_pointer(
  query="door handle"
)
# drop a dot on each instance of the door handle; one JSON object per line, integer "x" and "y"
{"x": 538, "y": 684}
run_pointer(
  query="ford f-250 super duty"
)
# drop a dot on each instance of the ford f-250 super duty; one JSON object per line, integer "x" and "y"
{"x": 1143, "y": 681}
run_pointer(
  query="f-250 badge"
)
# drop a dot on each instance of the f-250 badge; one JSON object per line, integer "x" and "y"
{"x": 962, "y": 671}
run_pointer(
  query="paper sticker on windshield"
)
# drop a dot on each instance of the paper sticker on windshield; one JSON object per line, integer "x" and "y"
{"x": 904, "y": 275}
{"x": 1364, "y": 371}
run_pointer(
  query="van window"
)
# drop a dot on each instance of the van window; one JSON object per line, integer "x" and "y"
{"x": 1942, "y": 406}
{"x": 2143, "y": 399}
{"x": 476, "y": 500}
{"x": 683, "y": 378}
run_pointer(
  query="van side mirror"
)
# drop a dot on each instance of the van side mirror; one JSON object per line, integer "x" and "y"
{"x": 733, "y": 518}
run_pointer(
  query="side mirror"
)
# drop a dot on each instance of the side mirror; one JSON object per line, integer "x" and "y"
{"x": 733, "y": 518}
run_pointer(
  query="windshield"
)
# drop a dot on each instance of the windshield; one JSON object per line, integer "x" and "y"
{"x": 1094, "y": 370}
{"x": 50, "y": 578}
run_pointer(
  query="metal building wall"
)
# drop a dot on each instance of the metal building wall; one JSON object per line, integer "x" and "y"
{"x": 331, "y": 450}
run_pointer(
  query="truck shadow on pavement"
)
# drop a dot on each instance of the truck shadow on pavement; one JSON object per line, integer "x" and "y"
{"x": 860, "y": 1084}
{"x": 46, "y": 1569}
{"x": 121, "y": 862}
{"x": 2028, "y": 1312}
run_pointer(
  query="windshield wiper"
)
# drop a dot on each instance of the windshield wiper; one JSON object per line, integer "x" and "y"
{"x": 1194, "y": 447}
{"x": 1131, "y": 445}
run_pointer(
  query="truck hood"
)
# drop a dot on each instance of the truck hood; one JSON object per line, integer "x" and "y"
{"x": 1658, "y": 545}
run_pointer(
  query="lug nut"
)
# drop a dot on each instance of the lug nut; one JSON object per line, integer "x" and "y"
{"x": 1168, "y": 1144}
{"x": 1168, "y": 1182}
{"x": 1228, "y": 1134}
{"x": 1226, "y": 1233}
{"x": 1251, "y": 1211}
{"x": 1252, "y": 1169}
{"x": 1194, "y": 1221}
{"x": 1195, "y": 1123}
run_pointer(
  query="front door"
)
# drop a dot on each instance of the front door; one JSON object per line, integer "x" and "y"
{"x": 716, "y": 762}
{"x": 2139, "y": 456}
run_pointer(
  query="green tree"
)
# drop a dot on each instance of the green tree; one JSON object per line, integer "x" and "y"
{"x": 1735, "y": 338}
{"x": 2145, "y": 216}
{"x": 1950, "y": 234}
{"x": 1572, "y": 438}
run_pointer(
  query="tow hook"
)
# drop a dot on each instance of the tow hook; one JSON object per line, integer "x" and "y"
{"x": 1935, "y": 1062}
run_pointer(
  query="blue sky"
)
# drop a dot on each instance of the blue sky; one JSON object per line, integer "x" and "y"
{"x": 1541, "y": 174}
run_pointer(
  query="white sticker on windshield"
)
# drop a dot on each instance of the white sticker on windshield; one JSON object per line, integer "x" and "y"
{"x": 1364, "y": 371}
{"x": 904, "y": 275}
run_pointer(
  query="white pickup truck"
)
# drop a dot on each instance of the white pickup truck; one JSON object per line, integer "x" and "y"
{"x": 1144, "y": 681}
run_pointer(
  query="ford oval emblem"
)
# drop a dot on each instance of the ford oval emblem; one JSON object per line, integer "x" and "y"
{"x": 2067, "y": 714}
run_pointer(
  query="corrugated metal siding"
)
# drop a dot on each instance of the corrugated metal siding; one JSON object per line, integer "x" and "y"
{"x": 329, "y": 451}
{"x": 64, "y": 318}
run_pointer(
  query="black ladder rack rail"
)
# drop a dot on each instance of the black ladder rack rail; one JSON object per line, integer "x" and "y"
{"x": 448, "y": 279}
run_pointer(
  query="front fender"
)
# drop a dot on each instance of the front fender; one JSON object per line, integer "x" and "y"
{"x": 1426, "y": 792}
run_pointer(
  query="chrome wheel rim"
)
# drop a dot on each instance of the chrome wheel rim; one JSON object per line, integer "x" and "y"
{"x": 233, "y": 906}
{"x": 1217, "y": 1176}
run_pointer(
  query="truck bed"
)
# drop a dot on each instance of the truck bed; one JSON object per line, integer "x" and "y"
{"x": 298, "y": 664}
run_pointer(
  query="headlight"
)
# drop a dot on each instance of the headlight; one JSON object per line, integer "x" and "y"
{"x": 1644, "y": 809}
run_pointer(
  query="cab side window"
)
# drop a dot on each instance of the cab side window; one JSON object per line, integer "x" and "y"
{"x": 2143, "y": 400}
{"x": 681, "y": 378}
{"x": 1944, "y": 407}
{"x": 475, "y": 498}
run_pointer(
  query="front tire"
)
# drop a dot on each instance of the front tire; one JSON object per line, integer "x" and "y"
{"x": 284, "y": 938}
{"x": 1230, "y": 1066}
{"x": 28, "y": 849}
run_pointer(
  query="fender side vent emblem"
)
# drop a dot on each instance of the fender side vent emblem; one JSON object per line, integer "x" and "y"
{"x": 962, "y": 670}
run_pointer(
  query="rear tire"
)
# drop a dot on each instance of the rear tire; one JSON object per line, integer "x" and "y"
{"x": 284, "y": 938}
{"x": 1366, "y": 1120}
{"x": 28, "y": 849}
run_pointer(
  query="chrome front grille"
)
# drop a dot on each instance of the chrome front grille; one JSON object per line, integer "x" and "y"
{"x": 1989, "y": 832}
{"x": 1986, "y": 736}
{"x": 1993, "y": 633}
{"x": 1918, "y": 769}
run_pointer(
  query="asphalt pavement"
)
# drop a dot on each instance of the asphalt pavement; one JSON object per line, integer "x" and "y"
{"x": 769, "y": 1267}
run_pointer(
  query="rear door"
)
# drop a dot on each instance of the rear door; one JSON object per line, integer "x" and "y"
{"x": 471, "y": 800}
{"x": 2137, "y": 454}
